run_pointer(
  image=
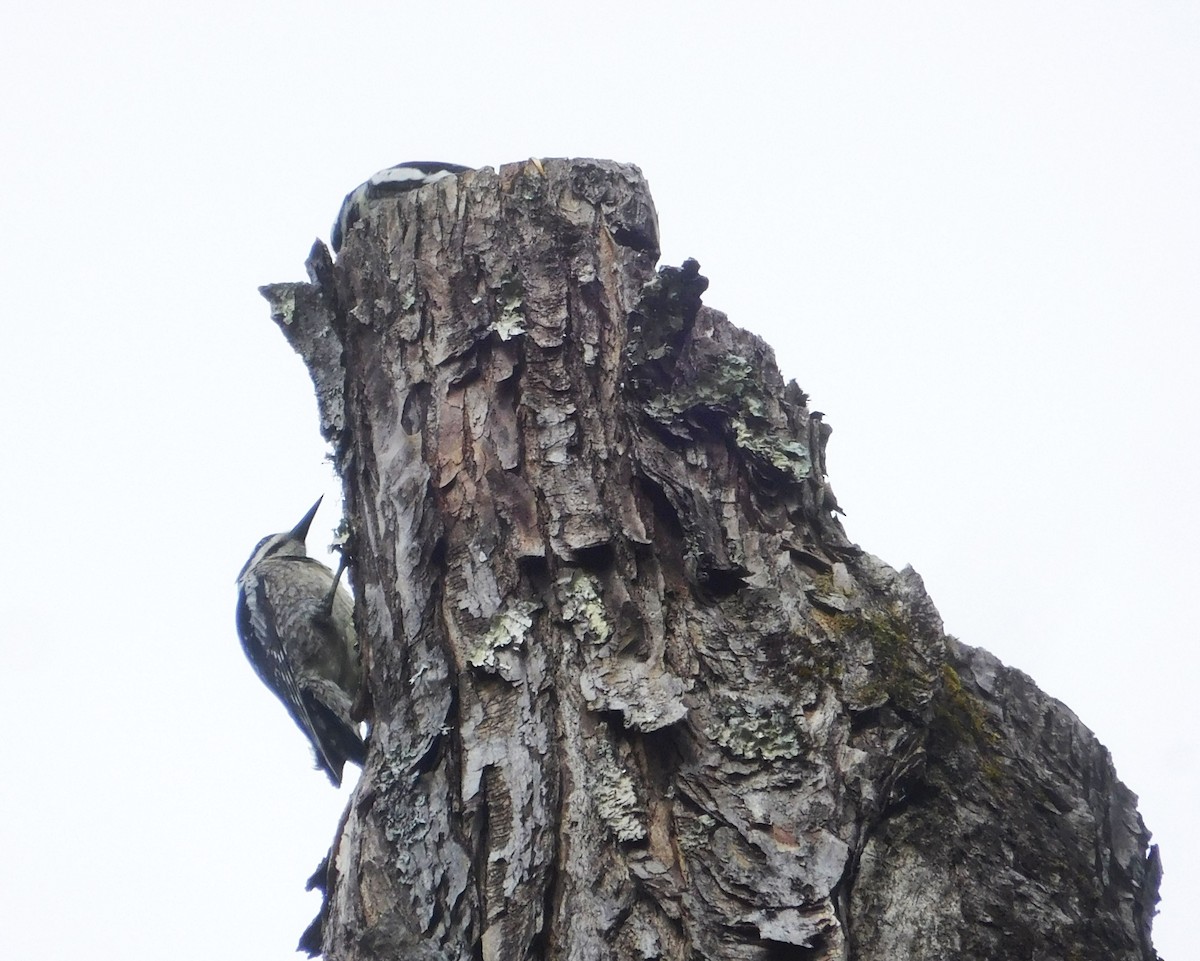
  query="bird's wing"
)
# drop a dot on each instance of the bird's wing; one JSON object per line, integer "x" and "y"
{"x": 267, "y": 655}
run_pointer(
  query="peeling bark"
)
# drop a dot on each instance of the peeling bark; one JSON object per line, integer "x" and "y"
{"x": 633, "y": 693}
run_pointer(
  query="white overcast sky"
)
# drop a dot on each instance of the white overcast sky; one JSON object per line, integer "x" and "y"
{"x": 970, "y": 230}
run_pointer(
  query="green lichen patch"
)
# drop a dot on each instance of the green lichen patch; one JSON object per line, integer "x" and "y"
{"x": 765, "y": 730}
{"x": 510, "y": 302}
{"x": 720, "y": 393}
{"x": 507, "y": 629}
{"x": 728, "y": 386}
{"x": 777, "y": 448}
{"x": 730, "y": 394}
{"x": 583, "y": 608}
{"x": 616, "y": 796}
{"x": 287, "y": 307}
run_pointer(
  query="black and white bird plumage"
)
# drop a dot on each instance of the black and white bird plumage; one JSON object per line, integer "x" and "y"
{"x": 387, "y": 183}
{"x": 297, "y": 629}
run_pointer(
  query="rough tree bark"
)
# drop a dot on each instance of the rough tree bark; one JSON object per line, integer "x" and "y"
{"x": 633, "y": 693}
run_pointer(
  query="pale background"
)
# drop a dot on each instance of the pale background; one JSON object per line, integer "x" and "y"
{"x": 971, "y": 232}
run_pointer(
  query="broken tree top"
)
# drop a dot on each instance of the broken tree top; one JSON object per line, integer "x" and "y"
{"x": 633, "y": 692}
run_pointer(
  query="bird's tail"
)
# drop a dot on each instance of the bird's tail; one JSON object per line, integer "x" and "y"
{"x": 336, "y": 740}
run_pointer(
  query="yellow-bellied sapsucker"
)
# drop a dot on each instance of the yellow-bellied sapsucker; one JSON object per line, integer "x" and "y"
{"x": 297, "y": 628}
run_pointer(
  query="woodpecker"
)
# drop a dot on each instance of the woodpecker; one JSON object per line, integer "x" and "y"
{"x": 387, "y": 183}
{"x": 297, "y": 629}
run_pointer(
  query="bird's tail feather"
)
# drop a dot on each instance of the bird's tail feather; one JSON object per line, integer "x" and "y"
{"x": 335, "y": 740}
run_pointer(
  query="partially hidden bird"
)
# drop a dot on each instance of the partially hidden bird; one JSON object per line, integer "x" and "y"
{"x": 388, "y": 182}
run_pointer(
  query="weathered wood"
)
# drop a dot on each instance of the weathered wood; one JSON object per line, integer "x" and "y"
{"x": 633, "y": 693}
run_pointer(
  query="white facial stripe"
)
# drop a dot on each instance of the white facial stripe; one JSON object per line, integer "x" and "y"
{"x": 266, "y": 547}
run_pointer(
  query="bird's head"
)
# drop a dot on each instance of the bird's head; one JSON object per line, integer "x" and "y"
{"x": 285, "y": 544}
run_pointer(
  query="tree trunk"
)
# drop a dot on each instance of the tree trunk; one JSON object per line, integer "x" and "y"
{"x": 632, "y": 692}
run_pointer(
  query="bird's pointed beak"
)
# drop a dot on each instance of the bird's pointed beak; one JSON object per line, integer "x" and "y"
{"x": 300, "y": 531}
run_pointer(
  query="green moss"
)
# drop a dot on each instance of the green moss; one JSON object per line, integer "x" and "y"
{"x": 899, "y": 673}
{"x": 806, "y": 667}
{"x": 815, "y": 662}
{"x": 960, "y": 722}
{"x": 823, "y": 583}
{"x": 964, "y": 710}
{"x": 903, "y": 676}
